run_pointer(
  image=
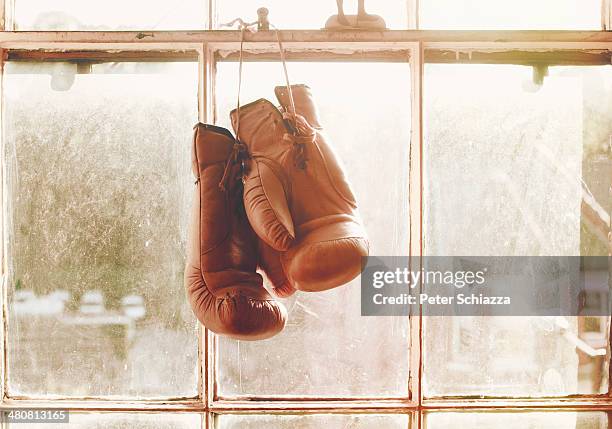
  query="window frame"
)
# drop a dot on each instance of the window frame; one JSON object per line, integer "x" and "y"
{"x": 423, "y": 46}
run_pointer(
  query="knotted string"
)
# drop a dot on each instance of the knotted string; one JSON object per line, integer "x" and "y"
{"x": 304, "y": 134}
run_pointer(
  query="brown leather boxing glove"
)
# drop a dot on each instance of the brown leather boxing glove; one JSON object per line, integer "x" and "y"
{"x": 296, "y": 195}
{"x": 224, "y": 290}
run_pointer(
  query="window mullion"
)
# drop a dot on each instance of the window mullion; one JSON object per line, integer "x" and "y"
{"x": 605, "y": 15}
{"x": 201, "y": 330}
{"x": 416, "y": 195}
{"x": 3, "y": 14}
{"x": 609, "y": 356}
{"x": 3, "y": 260}
{"x": 8, "y": 13}
{"x": 212, "y": 14}
{"x": 413, "y": 14}
{"x": 207, "y": 115}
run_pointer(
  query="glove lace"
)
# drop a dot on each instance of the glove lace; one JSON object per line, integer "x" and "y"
{"x": 239, "y": 151}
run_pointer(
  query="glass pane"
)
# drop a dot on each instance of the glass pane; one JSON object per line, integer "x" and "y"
{"x": 99, "y": 182}
{"x": 72, "y": 15}
{"x": 511, "y": 15}
{"x": 510, "y": 164}
{"x": 326, "y": 341}
{"x": 120, "y": 421}
{"x": 310, "y": 14}
{"x": 536, "y": 420}
{"x": 329, "y": 421}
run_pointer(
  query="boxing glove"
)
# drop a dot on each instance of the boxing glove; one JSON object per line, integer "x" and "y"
{"x": 224, "y": 289}
{"x": 296, "y": 195}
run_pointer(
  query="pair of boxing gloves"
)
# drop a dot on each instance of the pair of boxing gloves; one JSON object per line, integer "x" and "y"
{"x": 276, "y": 199}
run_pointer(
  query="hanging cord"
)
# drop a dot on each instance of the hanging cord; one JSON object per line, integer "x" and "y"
{"x": 243, "y": 27}
{"x": 281, "y": 50}
{"x": 239, "y": 151}
{"x": 248, "y": 26}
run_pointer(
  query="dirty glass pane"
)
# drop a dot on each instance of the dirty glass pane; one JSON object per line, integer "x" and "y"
{"x": 510, "y": 15}
{"x": 99, "y": 181}
{"x": 327, "y": 348}
{"x": 73, "y": 15}
{"x": 516, "y": 168}
{"x": 309, "y": 14}
{"x": 328, "y": 421}
{"x": 511, "y": 420}
{"x": 121, "y": 421}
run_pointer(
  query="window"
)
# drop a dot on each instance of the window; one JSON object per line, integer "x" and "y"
{"x": 526, "y": 170}
{"x": 91, "y": 250}
{"x": 515, "y": 15}
{"x": 583, "y": 420}
{"x": 73, "y": 15}
{"x": 312, "y": 14}
{"x": 313, "y": 421}
{"x": 122, "y": 420}
{"x": 327, "y": 326}
{"x": 457, "y": 143}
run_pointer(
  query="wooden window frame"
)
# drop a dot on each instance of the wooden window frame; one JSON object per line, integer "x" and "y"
{"x": 418, "y": 47}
